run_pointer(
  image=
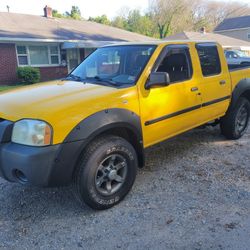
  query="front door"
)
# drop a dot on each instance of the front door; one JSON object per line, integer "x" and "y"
{"x": 73, "y": 58}
{"x": 166, "y": 111}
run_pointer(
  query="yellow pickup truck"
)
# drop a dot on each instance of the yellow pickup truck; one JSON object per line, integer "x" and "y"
{"x": 92, "y": 127}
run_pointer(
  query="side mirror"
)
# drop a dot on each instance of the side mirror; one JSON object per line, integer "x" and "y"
{"x": 157, "y": 79}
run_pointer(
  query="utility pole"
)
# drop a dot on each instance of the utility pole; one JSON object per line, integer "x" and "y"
{"x": 8, "y": 8}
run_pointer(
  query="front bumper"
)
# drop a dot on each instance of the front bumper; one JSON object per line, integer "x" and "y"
{"x": 38, "y": 166}
{"x": 27, "y": 165}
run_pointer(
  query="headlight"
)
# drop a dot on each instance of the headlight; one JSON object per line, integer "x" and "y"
{"x": 32, "y": 133}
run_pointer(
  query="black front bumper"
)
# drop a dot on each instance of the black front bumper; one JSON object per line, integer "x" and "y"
{"x": 27, "y": 165}
{"x": 39, "y": 166}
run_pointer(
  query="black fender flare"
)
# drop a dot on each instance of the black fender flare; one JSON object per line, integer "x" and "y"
{"x": 84, "y": 132}
{"x": 240, "y": 89}
{"x": 104, "y": 120}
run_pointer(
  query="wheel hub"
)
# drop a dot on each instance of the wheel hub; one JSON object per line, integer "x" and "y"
{"x": 241, "y": 119}
{"x": 111, "y": 174}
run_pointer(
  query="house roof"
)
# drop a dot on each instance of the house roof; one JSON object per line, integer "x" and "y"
{"x": 234, "y": 23}
{"x": 225, "y": 41}
{"x": 22, "y": 26}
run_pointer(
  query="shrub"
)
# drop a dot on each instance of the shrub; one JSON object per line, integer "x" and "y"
{"x": 28, "y": 75}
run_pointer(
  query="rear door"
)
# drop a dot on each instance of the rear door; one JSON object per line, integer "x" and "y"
{"x": 215, "y": 82}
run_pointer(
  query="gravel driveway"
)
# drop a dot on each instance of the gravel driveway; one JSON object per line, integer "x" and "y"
{"x": 194, "y": 193}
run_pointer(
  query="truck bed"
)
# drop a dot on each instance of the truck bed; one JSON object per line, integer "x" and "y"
{"x": 237, "y": 74}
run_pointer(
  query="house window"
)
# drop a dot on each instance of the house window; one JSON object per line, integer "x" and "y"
{"x": 54, "y": 54}
{"x": 22, "y": 55}
{"x": 35, "y": 55}
{"x": 38, "y": 55}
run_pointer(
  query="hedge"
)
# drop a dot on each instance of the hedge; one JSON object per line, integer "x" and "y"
{"x": 28, "y": 75}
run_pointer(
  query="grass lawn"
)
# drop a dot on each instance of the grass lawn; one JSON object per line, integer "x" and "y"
{"x": 2, "y": 88}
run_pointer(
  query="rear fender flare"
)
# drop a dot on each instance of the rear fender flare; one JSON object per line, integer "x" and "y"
{"x": 242, "y": 87}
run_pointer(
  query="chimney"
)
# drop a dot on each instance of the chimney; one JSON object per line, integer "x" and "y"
{"x": 47, "y": 11}
{"x": 203, "y": 30}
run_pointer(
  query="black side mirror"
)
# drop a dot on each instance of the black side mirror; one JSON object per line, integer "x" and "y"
{"x": 157, "y": 79}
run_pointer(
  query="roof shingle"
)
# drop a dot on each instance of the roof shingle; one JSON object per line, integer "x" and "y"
{"x": 234, "y": 23}
{"x": 14, "y": 25}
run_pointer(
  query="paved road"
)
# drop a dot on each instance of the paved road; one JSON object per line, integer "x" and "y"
{"x": 194, "y": 193}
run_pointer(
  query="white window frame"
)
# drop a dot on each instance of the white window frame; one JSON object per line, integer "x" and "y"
{"x": 39, "y": 65}
{"x": 27, "y": 54}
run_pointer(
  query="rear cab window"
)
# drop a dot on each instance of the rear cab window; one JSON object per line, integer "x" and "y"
{"x": 209, "y": 59}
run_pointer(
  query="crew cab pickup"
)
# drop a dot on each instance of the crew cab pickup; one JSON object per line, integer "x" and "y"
{"x": 92, "y": 127}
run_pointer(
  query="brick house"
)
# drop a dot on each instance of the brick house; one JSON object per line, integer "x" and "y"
{"x": 54, "y": 45}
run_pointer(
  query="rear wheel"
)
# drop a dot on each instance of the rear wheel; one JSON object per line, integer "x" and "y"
{"x": 234, "y": 124}
{"x": 106, "y": 172}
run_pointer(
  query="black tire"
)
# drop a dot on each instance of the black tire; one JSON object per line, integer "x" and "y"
{"x": 230, "y": 124}
{"x": 102, "y": 162}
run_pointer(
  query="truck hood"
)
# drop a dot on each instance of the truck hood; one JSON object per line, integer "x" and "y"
{"x": 39, "y": 100}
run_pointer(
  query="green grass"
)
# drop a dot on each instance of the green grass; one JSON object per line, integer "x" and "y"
{"x": 5, "y": 87}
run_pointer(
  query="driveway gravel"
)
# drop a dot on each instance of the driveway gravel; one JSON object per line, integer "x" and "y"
{"x": 194, "y": 193}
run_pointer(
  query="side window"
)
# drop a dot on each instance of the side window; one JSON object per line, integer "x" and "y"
{"x": 234, "y": 55}
{"x": 229, "y": 54}
{"x": 177, "y": 63}
{"x": 209, "y": 59}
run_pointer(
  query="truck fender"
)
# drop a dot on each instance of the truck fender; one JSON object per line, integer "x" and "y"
{"x": 241, "y": 89}
{"x": 111, "y": 120}
{"x": 105, "y": 120}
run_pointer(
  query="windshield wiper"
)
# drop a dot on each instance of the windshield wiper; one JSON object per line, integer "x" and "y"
{"x": 104, "y": 80}
{"x": 75, "y": 78}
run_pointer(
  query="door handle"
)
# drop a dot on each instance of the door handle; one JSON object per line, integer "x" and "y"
{"x": 194, "y": 89}
{"x": 222, "y": 82}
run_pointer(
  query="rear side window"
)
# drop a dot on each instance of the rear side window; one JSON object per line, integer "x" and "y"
{"x": 209, "y": 59}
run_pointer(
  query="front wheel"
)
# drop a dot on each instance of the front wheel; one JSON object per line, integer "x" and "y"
{"x": 234, "y": 124}
{"x": 106, "y": 172}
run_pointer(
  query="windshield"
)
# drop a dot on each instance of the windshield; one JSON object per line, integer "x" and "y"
{"x": 115, "y": 65}
{"x": 240, "y": 53}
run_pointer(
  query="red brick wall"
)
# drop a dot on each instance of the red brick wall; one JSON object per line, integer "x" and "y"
{"x": 8, "y": 64}
{"x": 8, "y": 67}
{"x": 51, "y": 73}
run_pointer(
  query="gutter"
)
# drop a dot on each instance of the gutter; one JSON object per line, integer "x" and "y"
{"x": 48, "y": 40}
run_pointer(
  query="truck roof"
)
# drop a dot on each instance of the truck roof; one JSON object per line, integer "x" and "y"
{"x": 162, "y": 42}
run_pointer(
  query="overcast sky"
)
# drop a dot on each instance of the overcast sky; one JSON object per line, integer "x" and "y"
{"x": 87, "y": 7}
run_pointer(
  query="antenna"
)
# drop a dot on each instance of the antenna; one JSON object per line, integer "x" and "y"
{"x": 8, "y": 8}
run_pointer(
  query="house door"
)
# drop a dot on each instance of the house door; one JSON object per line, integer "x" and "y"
{"x": 73, "y": 58}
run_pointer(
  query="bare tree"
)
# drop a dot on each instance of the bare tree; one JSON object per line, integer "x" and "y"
{"x": 164, "y": 12}
{"x": 211, "y": 13}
